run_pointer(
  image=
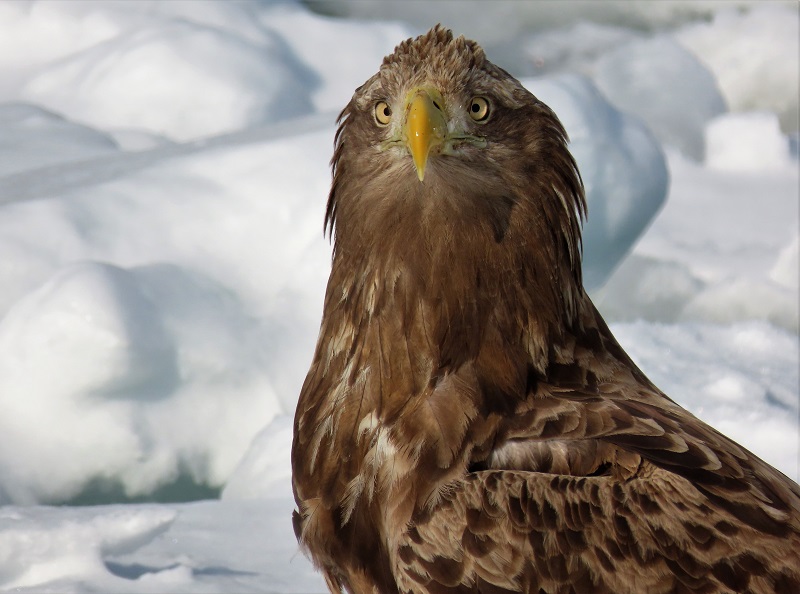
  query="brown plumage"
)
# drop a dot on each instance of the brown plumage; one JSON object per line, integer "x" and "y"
{"x": 469, "y": 423}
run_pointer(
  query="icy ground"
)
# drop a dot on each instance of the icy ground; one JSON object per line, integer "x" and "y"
{"x": 163, "y": 177}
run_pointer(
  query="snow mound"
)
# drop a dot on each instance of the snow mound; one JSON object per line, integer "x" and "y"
{"x": 99, "y": 363}
{"x": 724, "y": 248}
{"x": 753, "y": 55}
{"x": 178, "y": 79}
{"x": 654, "y": 78}
{"x": 265, "y": 470}
{"x": 47, "y": 547}
{"x": 94, "y": 319}
{"x": 749, "y": 141}
{"x": 664, "y": 85}
{"x": 623, "y": 169}
{"x": 744, "y": 299}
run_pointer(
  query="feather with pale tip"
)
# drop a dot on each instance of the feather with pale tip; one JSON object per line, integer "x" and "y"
{"x": 469, "y": 423}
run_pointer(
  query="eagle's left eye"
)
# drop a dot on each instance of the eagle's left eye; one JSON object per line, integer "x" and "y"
{"x": 479, "y": 109}
{"x": 383, "y": 113}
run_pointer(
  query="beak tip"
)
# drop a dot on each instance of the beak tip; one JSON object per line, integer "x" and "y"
{"x": 420, "y": 165}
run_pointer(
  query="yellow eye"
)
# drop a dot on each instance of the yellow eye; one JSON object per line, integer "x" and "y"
{"x": 479, "y": 109}
{"x": 383, "y": 113}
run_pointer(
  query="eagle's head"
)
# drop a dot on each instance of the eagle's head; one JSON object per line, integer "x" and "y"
{"x": 444, "y": 152}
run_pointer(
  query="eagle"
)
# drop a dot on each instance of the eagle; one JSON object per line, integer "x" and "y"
{"x": 469, "y": 424}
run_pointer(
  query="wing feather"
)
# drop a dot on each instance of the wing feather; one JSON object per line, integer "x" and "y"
{"x": 532, "y": 532}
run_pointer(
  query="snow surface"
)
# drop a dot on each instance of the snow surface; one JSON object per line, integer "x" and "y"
{"x": 163, "y": 176}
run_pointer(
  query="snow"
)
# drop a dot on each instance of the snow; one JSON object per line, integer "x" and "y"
{"x": 206, "y": 546}
{"x": 635, "y": 76}
{"x": 120, "y": 83}
{"x": 721, "y": 250}
{"x": 654, "y": 78}
{"x": 163, "y": 177}
{"x": 71, "y": 544}
{"x": 213, "y": 318}
{"x": 32, "y": 137}
{"x": 753, "y": 55}
{"x": 750, "y": 141}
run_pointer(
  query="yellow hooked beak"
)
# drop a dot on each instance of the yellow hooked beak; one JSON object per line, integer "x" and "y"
{"x": 425, "y": 127}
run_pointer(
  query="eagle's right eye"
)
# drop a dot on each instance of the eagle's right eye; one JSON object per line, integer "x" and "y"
{"x": 479, "y": 109}
{"x": 383, "y": 113}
